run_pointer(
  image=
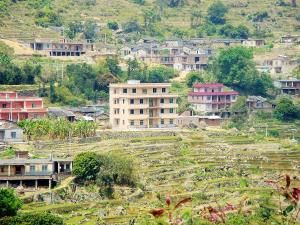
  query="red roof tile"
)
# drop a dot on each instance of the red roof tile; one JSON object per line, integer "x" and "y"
{"x": 208, "y": 85}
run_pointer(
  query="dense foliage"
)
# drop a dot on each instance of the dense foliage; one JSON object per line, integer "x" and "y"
{"x": 216, "y": 12}
{"x": 9, "y": 203}
{"x": 286, "y": 110}
{"x": 11, "y": 73}
{"x": 194, "y": 77}
{"x": 235, "y": 68}
{"x": 57, "y": 128}
{"x": 32, "y": 219}
{"x": 105, "y": 170}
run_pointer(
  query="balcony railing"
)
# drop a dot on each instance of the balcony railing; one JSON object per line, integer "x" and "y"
{"x": 38, "y": 173}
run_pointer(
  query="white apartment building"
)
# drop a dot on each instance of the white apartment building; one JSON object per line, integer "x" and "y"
{"x": 134, "y": 105}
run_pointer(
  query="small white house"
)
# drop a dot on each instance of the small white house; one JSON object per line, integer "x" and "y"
{"x": 10, "y": 132}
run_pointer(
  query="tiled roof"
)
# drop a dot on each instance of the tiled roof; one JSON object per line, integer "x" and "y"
{"x": 208, "y": 85}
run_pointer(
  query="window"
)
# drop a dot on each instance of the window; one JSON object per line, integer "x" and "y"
{"x": 123, "y": 122}
{"x": 123, "y": 111}
{"x": 141, "y": 122}
{"x": 171, "y": 121}
{"x": 141, "y": 111}
{"x": 162, "y": 100}
{"x": 115, "y": 91}
{"x": 125, "y": 90}
{"x": 123, "y": 101}
{"x": 134, "y": 90}
{"x": 162, "y": 121}
{"x": 141, "y": 101}
{"x": 171, "y": 100}
{"x": 131, "y": 101}
{"x": 171, "y": 110}
{"x": 233, "y": 97}
{"x": 208, "y": 97}
{"x": 13, "y": 135}
{"x": 4, "y": 106}
{"x": 131, "y": 111}
{"x": 162, "y": 111}
{"x": 144, "y": 91}
{"x": 131, "y": 122}
{"x": 67, "y": 166}
{"x": 163, "y": 90}
{"x": 154, "y": 90}
{"x": 32, "y": 168}
{"x": 2, "y": 169}
{"x": 44, "y": 168}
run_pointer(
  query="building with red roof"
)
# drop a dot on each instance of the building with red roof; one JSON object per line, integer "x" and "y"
{"x": 16, "y": 108}
{"x": 211, "y": 99}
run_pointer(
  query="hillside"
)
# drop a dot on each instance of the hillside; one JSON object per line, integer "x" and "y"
{"x": 19, "y": 20}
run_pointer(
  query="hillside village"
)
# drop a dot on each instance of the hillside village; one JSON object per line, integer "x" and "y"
{"x": 149, "y": 112}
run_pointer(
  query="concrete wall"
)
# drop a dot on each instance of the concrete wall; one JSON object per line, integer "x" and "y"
{"x": 8, "y": 135}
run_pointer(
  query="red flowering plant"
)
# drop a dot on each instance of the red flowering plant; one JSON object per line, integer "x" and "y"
{"x": 170, "y": 211}
{"x": 289, "y": 199}
{"x": 219, "y": 213}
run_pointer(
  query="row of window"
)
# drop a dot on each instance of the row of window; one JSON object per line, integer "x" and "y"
{"x": 5, "y": 105}
{"x": 143, "y": 101}
{"x": 44, "y": 168}
{"x": 144, "y": 90}
{"x": 210, "y": 98}
{"x": 142, "y": 122}
{"x": 142, "y": 111}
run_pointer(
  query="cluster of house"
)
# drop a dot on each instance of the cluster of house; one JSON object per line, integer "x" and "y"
{"x": 182, "y": 55}
{"x": 281, "y": 64}
{"x": 14, "y": 108}
{"x": 134, "y": 105}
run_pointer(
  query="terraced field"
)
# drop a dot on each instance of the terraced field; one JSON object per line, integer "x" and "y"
{"x": 204, "y": 165}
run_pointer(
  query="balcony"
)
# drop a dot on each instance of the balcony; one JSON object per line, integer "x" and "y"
{"x": 38, "y": 173}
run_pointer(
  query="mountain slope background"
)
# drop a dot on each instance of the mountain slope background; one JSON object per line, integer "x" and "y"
{"x": 23, "y": 19}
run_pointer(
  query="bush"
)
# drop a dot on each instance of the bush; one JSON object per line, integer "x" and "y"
{"x": 32, "y": 219}
{"x": 9, "y": 203}
{"x": 86, "y": 166}
{"x": 286, "y": 110}
{"x": 194, "y": 77}
{"x": 113, "y": 25}
{"x": 216, "y": 12}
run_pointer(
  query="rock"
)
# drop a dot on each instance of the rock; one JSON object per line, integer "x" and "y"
{"x": 103, "y": 213}
{"x": 136, "y": 195}
{"x": 252, "y": 130}
{"x": 120, "y": 211}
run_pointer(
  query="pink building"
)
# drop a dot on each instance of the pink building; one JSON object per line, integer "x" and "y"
{"x": 211, "y": 99}
{"x": 16, "y": 108}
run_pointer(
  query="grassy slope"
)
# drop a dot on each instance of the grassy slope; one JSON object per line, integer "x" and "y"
{"x": 20, "y": 23}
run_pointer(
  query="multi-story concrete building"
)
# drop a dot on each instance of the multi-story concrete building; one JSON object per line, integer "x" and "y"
{"x": 28, "y": 172}
{"x": 211, "y": 99}
{"x": 289, "y": 86}
{"x": 136, "y": 105}
{"x": 61, "y": 47}
{"x": 15, "y": 108}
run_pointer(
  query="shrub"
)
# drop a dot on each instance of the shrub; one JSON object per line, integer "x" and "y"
{"x": 113, "y": 25}
{"x": 86, "y": 166}
{"x": 9, "y": 203}
{"x": 32, "y": 219}
{"x": 216, "y": 12}
{"x": 286, "y": 110}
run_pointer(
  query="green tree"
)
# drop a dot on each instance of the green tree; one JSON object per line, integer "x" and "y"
{"x": 113, "y": 66}
{"x": 216, "y": 12}
{"x": 86, "y": 166}
{"x": 89, "y": 30}
{"x": 132, "y": 26}
{"x": 113, "y": 25}
{"x": 160, "y": 74}
{"x": 194, "y": 77}
{"x": 73, "y": 28}
{"x": 286, "y": 110}
{"x": 235, "y": 68}
{"x": 135, "y": 71}
{"x": 9, "y": 203}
